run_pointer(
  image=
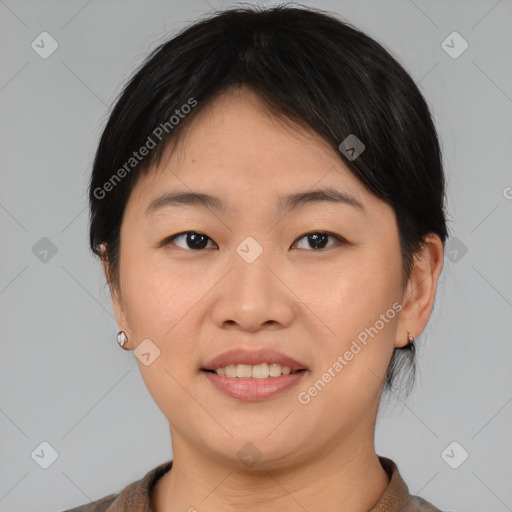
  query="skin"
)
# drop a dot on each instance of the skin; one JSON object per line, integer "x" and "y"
{"x": 308, "y": 303}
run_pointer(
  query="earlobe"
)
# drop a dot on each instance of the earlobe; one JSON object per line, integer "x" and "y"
{"x": 421, "y": 289}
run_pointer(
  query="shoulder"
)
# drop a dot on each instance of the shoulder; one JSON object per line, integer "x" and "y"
{"x": 101, "y": 505}
{"x": 397, "y": 496}
{"x": 135, "y": 496}
{"x": 418, "y": 504}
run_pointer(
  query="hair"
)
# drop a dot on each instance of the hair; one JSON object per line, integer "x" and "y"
{"x": 308, "y": 67}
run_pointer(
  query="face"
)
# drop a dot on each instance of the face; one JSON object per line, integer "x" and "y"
{"x": 319, "y": 281}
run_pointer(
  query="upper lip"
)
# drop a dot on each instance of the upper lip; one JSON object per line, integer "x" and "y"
{"x": 252, "y": 357}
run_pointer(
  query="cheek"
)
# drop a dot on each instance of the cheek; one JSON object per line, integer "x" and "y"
{"x": 155, "y": 293}
{"x": 359, "y": 304}
{"x": 161, "y": 305}
{"x": 349, "y": 294}
{"x": 157, "y": 299}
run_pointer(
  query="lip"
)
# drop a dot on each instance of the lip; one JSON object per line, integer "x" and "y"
{"x": 253, "y": 357}
{"x": 253, "y": 390}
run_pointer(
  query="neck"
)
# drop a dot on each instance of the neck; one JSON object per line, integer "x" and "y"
{"x": 339, "y": 478}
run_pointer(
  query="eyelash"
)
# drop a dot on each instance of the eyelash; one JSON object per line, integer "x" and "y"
{"x": 339, "y": 240}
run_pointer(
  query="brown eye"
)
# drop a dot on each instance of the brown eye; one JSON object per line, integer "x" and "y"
{"x": 191, "y": 240}
{"x": 318, "y": 240}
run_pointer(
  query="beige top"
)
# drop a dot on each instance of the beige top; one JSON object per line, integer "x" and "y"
{"x": 136, "y": 497}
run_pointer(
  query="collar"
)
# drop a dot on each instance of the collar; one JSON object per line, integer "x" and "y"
{"x": 136, "y": 497}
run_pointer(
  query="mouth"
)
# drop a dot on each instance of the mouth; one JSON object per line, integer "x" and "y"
{"x": 253, "y": 374}
{"x": 252, "y": 389}
{"x": 261, "y": 363}
{"x": 259, "y": 371}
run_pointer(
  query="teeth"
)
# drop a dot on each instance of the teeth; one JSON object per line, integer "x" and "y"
{"x": 259, "y": 371}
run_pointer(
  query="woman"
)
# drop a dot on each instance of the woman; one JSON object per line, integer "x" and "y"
{"x": 267, "y": 200}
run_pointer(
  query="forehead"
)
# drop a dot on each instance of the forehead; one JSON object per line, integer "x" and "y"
{"x": 236, "y": 151}
{"x": 242, "y": 124}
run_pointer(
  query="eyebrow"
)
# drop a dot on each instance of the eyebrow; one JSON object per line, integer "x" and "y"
{"x": 285, "y": 204}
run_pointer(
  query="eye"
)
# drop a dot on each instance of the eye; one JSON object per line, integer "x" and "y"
{"x": 197, "y": 241}
{"x": 318, "y": 239}
{"x": 192, "y": 239}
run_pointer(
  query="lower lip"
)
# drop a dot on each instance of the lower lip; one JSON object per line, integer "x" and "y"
{"x": 252, "y": 390}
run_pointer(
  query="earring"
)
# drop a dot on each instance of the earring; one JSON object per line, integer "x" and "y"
{"x": 122, "y": 340}
{"x": 410, "y": 338}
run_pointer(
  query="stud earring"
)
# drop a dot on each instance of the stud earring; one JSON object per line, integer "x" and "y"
{"x": 410, "y": 338}
{"x": 122, "y": 339}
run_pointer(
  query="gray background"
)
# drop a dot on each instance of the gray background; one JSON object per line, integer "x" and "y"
{"x": 63, "y": 378}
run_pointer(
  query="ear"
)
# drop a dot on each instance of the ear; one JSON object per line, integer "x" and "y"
{"x": 115, "y": 294}
{"x": 420, "y": 291}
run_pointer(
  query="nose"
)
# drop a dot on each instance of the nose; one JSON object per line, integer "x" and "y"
{"x": 254, "y": 296}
